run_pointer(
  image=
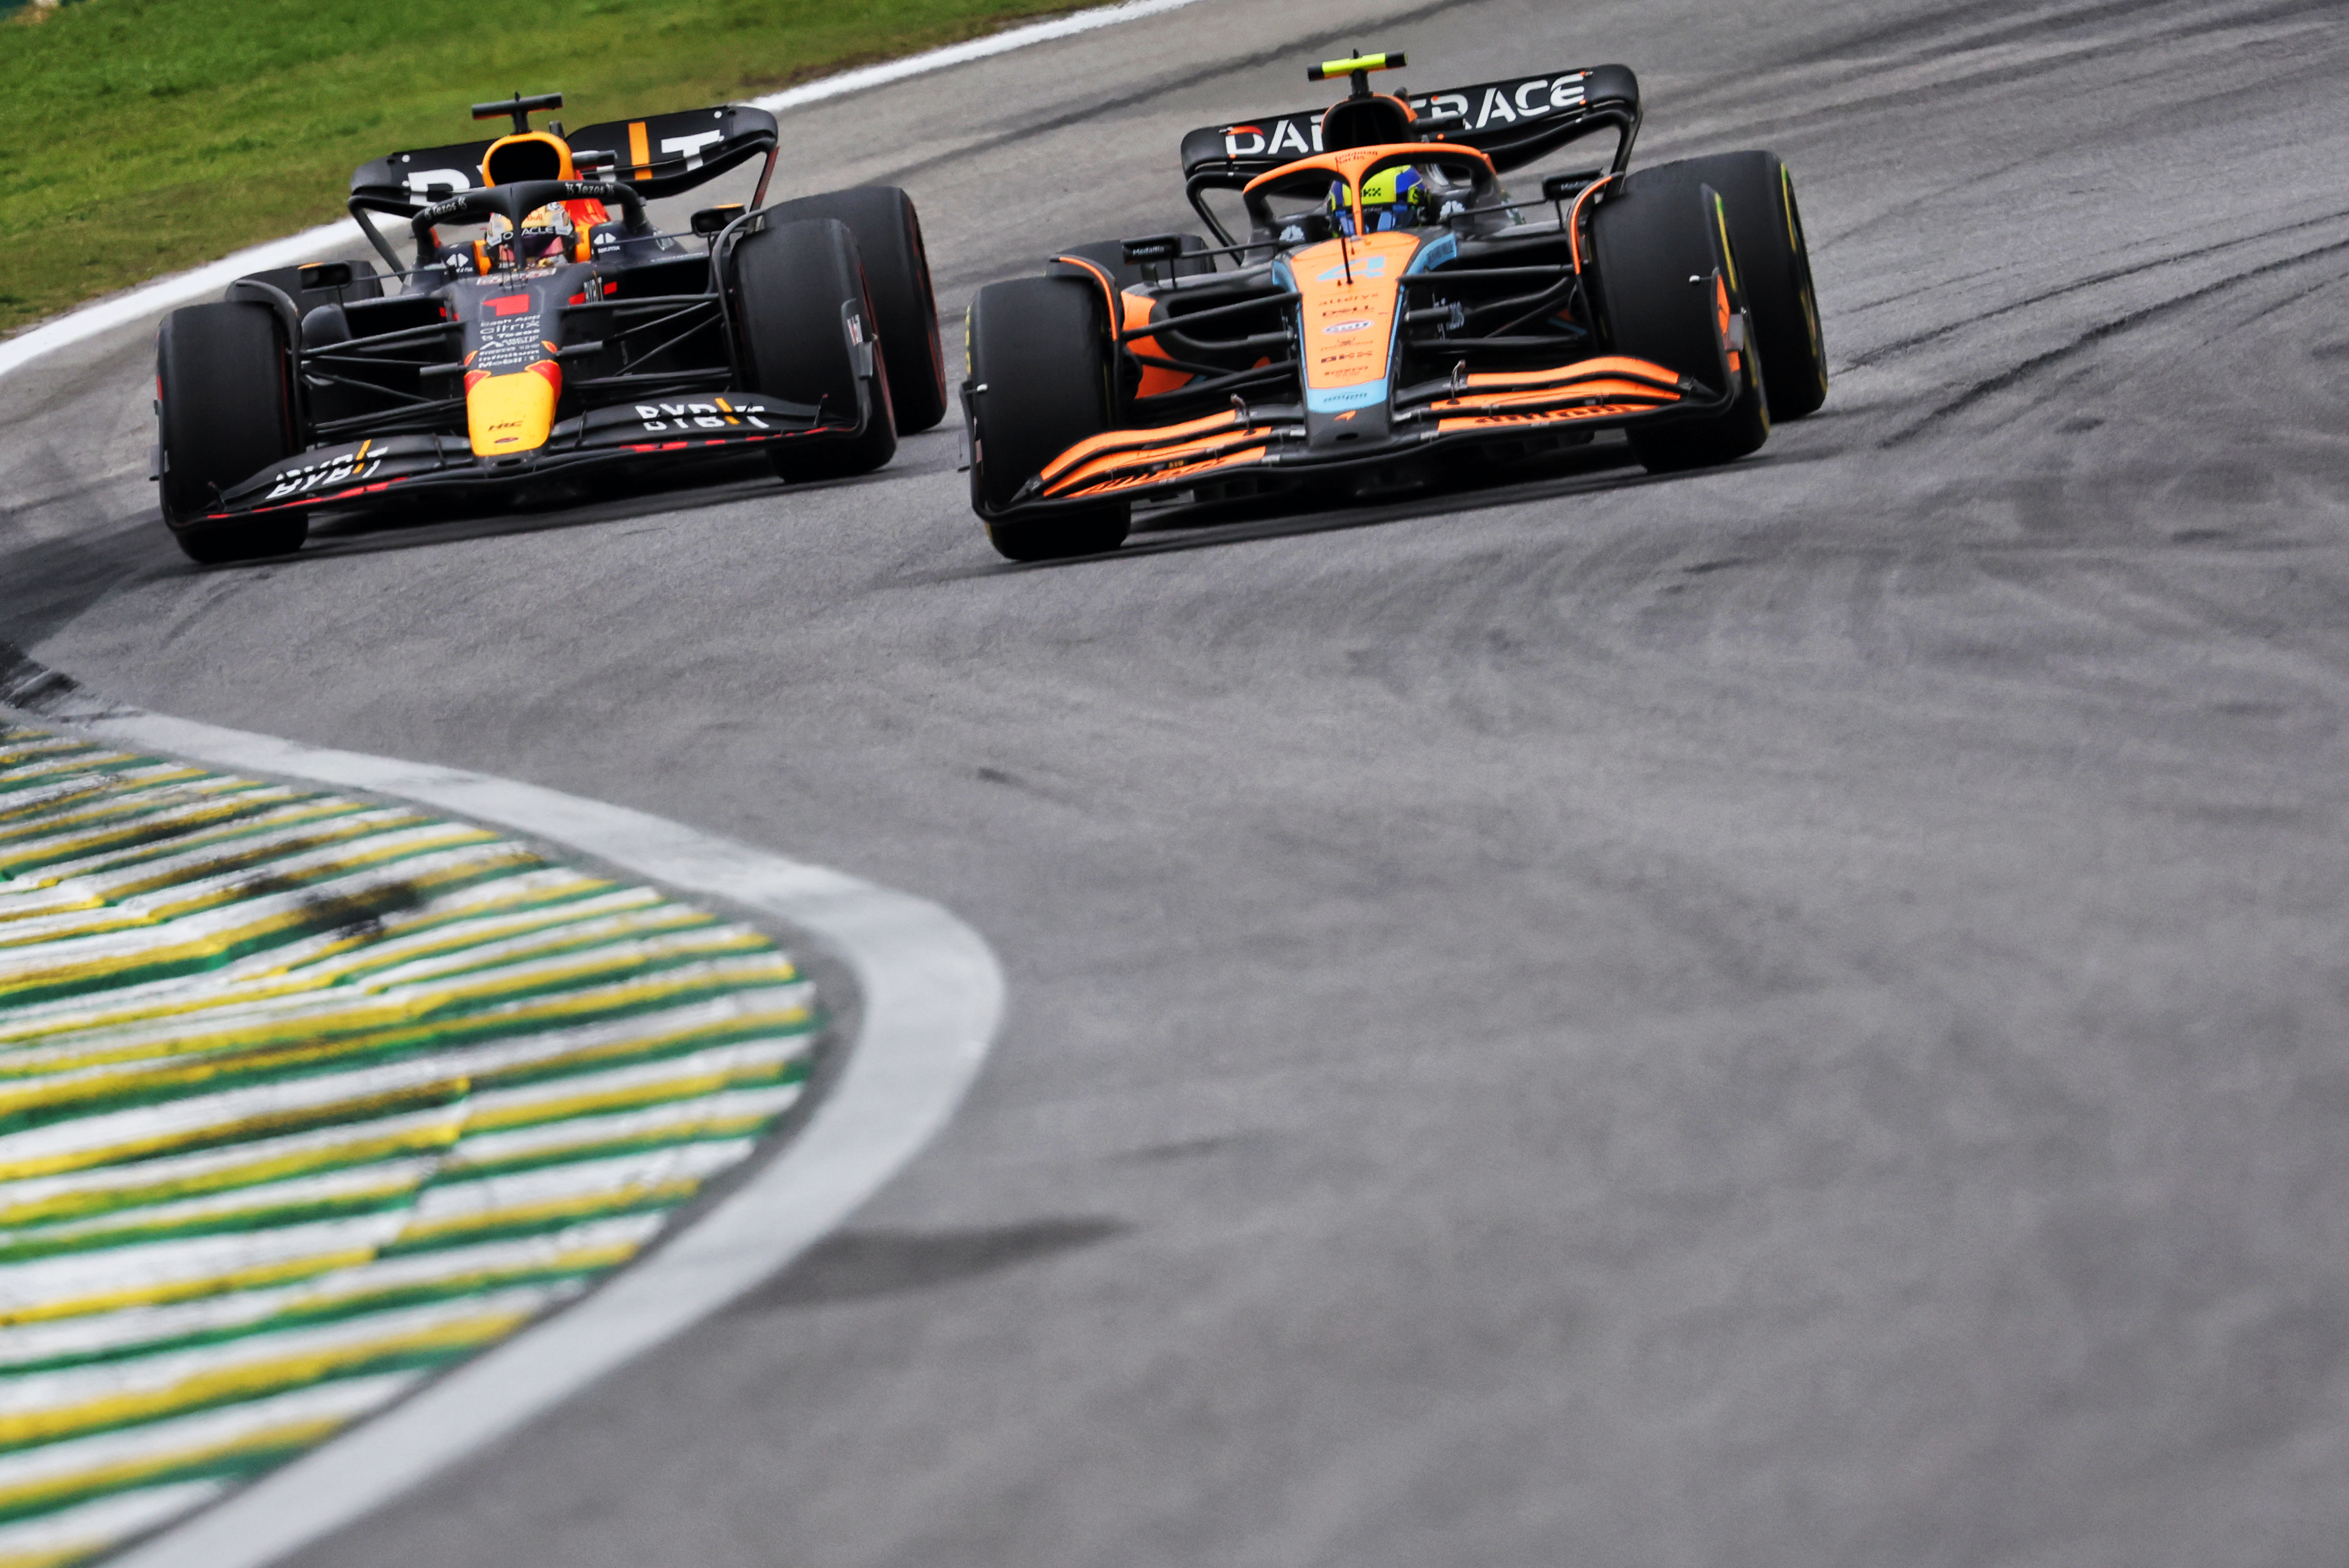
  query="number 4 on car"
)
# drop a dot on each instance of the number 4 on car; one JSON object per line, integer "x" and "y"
{"x": 571, "y": 343}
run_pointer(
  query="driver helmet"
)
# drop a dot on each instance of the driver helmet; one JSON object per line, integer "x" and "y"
{"x": 544, "y": 236}
{"x": 1391, "y": 198}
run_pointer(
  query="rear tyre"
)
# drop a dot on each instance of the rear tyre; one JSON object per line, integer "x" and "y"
{"x": 225, "y": 413}
{"x": 806, "y": 330}
{"x": 1774, "y": 263}
{"x": 1664, "y": 269}
{"x": 1039, "y": 381}
{"x": 898, "y": 275}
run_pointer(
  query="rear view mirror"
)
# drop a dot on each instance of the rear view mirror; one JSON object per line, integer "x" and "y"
{"x": 1560, "y": 187}
{"x": 710, "y": 220}
{"x": 327, "y": 274}
{"x": 1155, "y": 248}
{"x": 1305, "y": 228}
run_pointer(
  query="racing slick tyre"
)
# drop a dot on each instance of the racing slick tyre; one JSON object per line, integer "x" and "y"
{"x": 1109, "y": 256}
{"x": 1663, "y": 264}
{"x": 806, "y": 328}
{"x": 225, "y": 412}
{"x": 1040, "y": 383}
{"x": 1774, "y": 263}
{"x": 898, "y": 272}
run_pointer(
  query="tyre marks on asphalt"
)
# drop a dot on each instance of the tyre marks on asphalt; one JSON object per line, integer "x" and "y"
{"x": 303, "y": 1096}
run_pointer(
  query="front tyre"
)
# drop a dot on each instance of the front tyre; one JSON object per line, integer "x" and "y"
{"x": 1669, "y": 289}
{"x": 223, "y": 413}
{"x": 1708, "y": 444}
{"x": 1039, "y": 382}
{"x": 806, "y": 335}
{"x": 1766, "y": 225}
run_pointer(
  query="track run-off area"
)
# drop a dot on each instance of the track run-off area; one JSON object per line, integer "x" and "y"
{"x": 1791, "y": 1015}
{"x": 306, "y": 1097}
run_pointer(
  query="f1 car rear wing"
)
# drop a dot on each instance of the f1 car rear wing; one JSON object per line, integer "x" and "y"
{"x": 659, "y": 155}
{"x": 1512, "y": 122}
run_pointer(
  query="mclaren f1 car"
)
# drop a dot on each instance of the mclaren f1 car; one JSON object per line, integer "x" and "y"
{"x": 1391, "y": 310}
{"x": 571, "y": 346}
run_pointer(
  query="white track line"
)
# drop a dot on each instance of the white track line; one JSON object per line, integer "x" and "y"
{"x": 1001, "y": 42}
{"x": 179, "y": 289}
{"x": 932, "y": 998}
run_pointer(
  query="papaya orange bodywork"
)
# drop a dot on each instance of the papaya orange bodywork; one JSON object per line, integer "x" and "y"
{"x": 1125, "y": 441}
{"x": 1348, "y": 307}
{"x": 1156, "y": 379}
{"x": 1459, "y": 423}
{"x": 1186, "y": 456}
{"x": 1348, "y": 292}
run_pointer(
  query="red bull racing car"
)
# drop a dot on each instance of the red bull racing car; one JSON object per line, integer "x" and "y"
{"x": 1392, "y": 309}
{"x": 573, "y": 343}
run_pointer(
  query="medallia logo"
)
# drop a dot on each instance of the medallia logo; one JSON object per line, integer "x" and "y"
{"x": 1346, "y": 327}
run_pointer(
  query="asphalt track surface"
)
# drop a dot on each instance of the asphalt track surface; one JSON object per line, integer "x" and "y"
{"x": 1788, "y": 1016}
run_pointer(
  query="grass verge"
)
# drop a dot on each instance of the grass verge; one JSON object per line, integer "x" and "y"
{"x": 139, "y": 137}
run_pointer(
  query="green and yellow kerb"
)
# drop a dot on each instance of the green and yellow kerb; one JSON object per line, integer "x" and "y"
{"x": 303, "y": 1097}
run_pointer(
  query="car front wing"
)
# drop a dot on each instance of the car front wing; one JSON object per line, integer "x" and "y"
{"x": 650, "y": 434}
{"x": 1606, "y": 392}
